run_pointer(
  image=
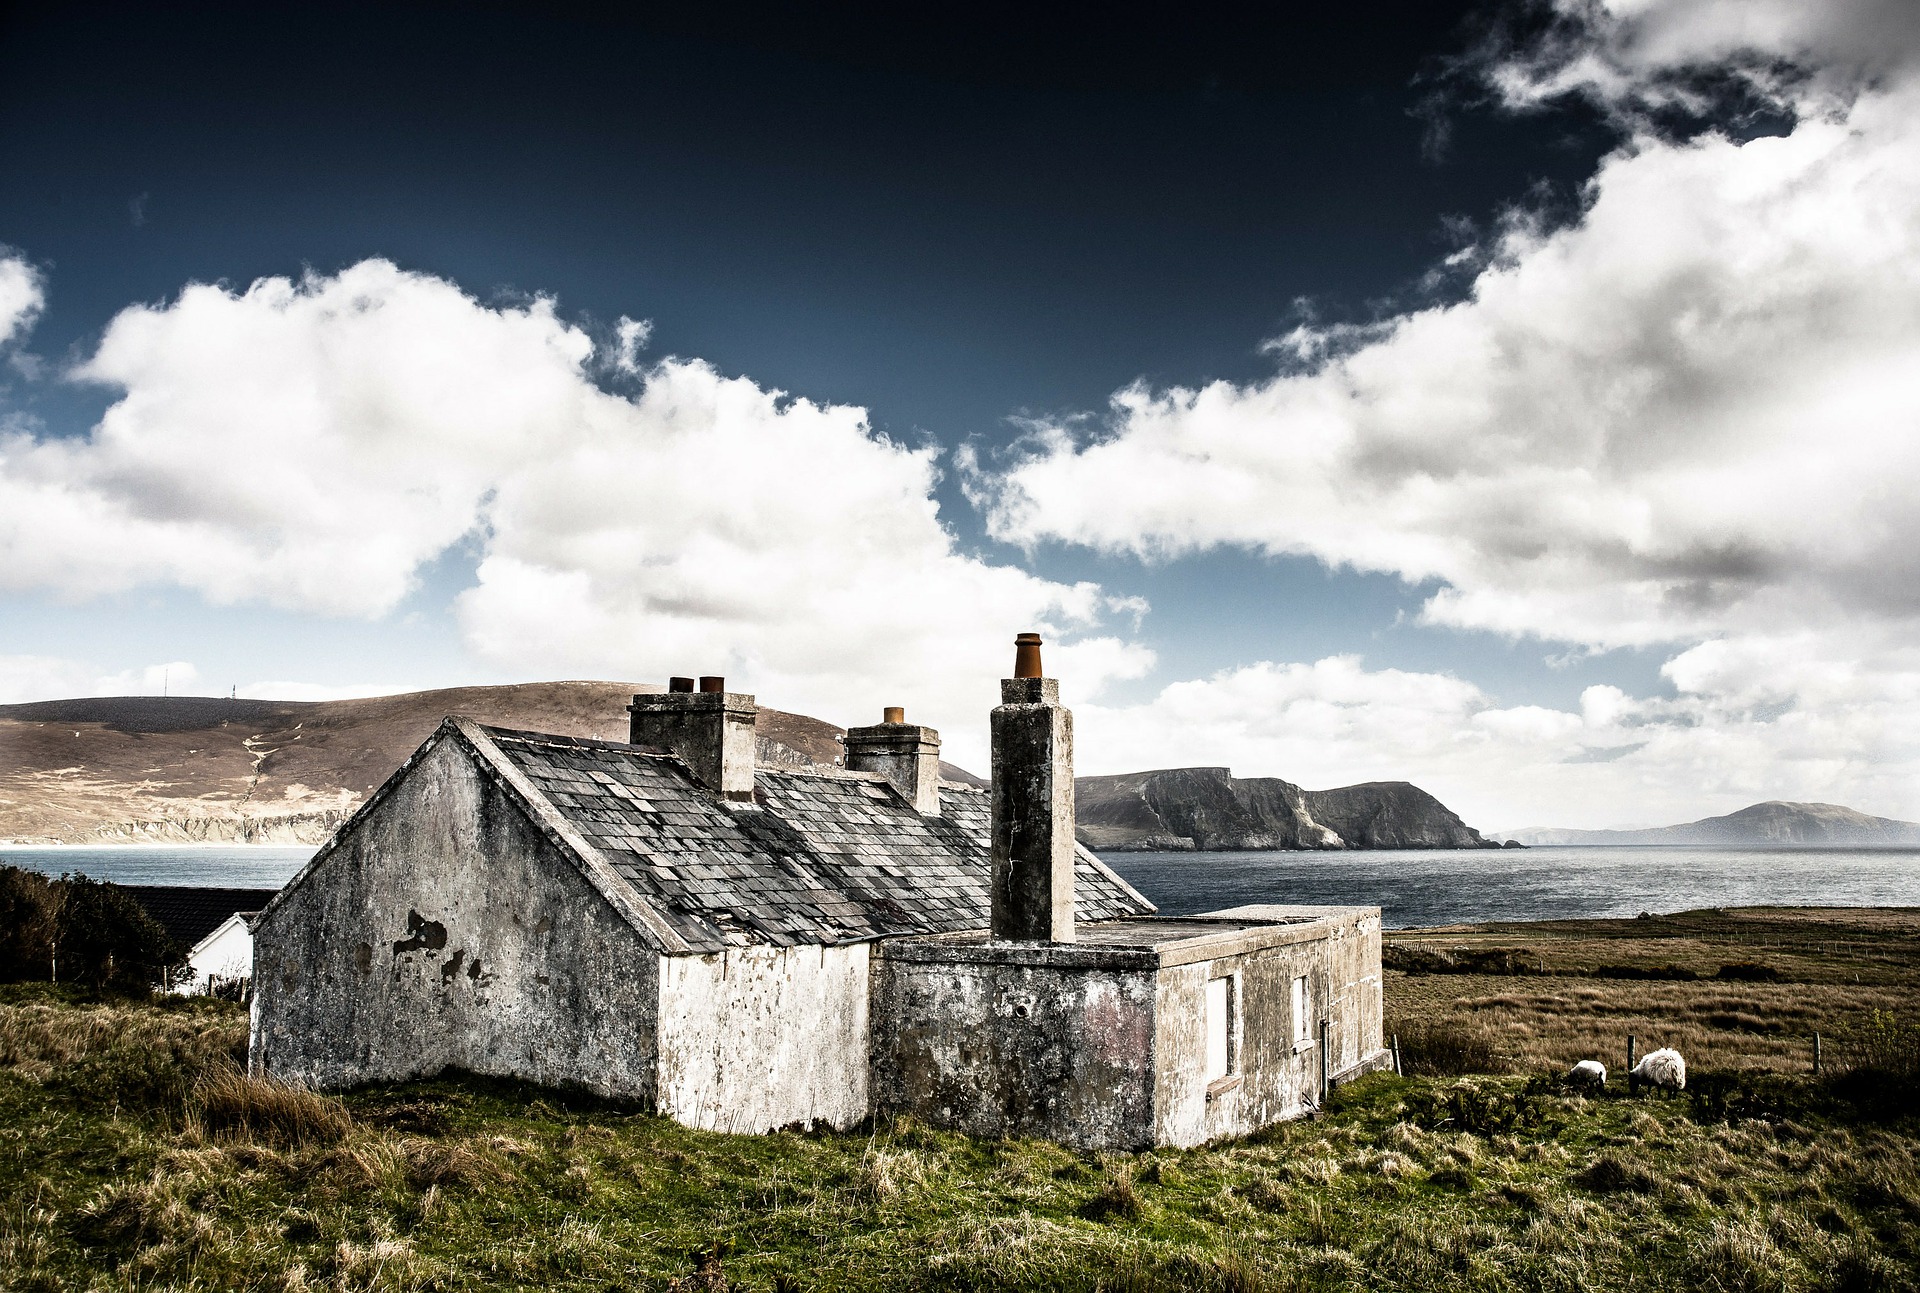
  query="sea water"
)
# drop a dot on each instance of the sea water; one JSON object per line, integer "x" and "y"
{"x": 203, "y": 866}
{"x": 1419, "y": 887}
{"x": 1412, "y": 887}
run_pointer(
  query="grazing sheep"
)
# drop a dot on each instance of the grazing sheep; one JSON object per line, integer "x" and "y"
{"x": 1588, "y": 1073}
{"x": 1662, "y": 1068}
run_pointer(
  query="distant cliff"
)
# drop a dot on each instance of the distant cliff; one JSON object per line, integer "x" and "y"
{"x": 1774, "y": 824}
{"x": 1210, "y": 808}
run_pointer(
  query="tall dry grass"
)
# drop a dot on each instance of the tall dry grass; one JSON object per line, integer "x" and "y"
{"x": 227, "y": 1103}
{"x": 1446, "y": 1047}
{"x": 121, "y": 1053}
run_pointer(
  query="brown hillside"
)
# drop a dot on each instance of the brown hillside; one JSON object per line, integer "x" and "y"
{"x": 260, "y": 771}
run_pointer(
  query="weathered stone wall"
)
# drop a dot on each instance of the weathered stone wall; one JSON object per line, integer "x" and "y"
{"x": 764, "y": 1037}
{"x": 991, "y": 1040}
{"x": 443, "y": 930}
{"x": 1275, "y": 1078}
{"x": 1103, "y": 1045}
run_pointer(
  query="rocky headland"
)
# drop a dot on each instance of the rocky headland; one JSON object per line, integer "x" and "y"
{"x": 1178, "y": 809}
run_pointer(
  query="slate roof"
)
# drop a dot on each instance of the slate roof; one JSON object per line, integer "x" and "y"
{"x": 823, "y": 856}
{"x": 190, "y": 913}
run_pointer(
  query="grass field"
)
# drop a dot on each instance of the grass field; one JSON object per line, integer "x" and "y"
{"x": 134, "y": 1156}
{"x": 1812, "y": 971}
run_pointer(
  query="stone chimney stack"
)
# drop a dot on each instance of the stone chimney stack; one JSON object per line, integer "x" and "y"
{"x": 904, "y": 753}
{"x": 710, "y": 729}
{"x": 1033, "y": 844}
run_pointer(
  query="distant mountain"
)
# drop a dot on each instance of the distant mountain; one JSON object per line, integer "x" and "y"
{"x": 1774, "y": 824}
{"x": 1210, "y": 808}
{"x": 189, "y": 769}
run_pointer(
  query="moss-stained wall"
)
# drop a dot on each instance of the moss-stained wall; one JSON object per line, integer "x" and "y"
{"x": 444, "y": 930}
{"x": 992, "y": 1040}
{"x": 1102, "y": 1044}
{"x": 764, "y": 1037}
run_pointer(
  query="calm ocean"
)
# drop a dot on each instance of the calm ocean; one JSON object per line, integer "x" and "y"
{"x": 1418, "y": 887}
{"x": 1413, "y": 887}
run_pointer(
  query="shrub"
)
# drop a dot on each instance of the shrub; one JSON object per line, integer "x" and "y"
{"x": 1748, "y": 972}
{"x": 1446, "y": 1048}
{"x": 29, "y": 924}
{"x": 1483, "y": 1109}
{"x": 79, "y": 930}
{"x": 1679, "y": 972}
{"x": 107, "y": 940}
{"x": 1732, "y": 1097}
{"x": 1460, "y": 960}
{"x": 1879, "y": 1041}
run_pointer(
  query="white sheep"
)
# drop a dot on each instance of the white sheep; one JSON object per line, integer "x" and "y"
{"x": 1588, "y": 1073}
{"x": 1662, "y": 1068}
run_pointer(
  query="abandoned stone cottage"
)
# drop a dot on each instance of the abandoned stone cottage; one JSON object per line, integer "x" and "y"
{"x": 746, "y": 948}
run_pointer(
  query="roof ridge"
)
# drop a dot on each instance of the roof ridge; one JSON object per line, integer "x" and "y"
{"x": 576, "y": 742}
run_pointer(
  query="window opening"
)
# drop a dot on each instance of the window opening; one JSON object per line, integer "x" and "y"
{"x": 1221, "y": 1009}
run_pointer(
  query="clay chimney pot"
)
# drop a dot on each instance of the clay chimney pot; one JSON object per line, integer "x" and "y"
{"x": 1026, "y": 656}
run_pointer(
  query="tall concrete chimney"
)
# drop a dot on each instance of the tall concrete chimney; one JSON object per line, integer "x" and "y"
{"x": 1033, "y": 844}
{"x": 904, "y": 753}
{"x": 710, "y": 729}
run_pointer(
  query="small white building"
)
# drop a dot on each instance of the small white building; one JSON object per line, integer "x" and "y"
{"x": 224, "y": 958}
{"x": 212, "y": 925}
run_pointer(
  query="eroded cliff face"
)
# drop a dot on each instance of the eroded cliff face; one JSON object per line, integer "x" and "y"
{"x": 1209, "y": 808}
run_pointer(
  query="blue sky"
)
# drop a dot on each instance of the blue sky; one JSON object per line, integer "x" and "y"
{"x": 316, "y": 379}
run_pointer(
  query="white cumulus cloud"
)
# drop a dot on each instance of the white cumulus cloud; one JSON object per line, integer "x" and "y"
{"x": 22, "y": 295}
{"x": 1691, "y": 411}
{"x": 1631, "y": 55}
{"x": 1691, "y": 416}
{"x": 311, "y": 444}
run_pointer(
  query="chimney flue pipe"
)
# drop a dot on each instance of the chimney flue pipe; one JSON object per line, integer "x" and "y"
{"x": 1033, "y": 843}
{"x": 1026, "y": 656}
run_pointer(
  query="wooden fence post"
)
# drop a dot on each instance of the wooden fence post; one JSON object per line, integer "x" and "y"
{"x": 1398, "y": 1071}
{"x": 1816, "y": 1054}
{"x": 1326, "y": 1060}
{"x": 1632, "y": 1085}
